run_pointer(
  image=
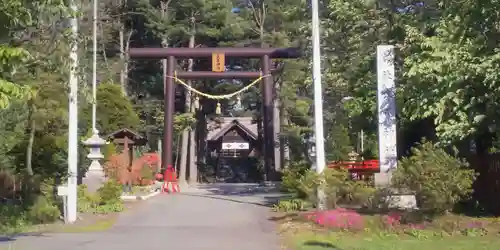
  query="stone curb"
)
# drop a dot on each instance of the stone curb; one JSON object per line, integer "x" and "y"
{"x": 139, "y": 197}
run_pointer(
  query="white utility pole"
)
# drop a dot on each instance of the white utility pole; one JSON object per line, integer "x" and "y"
{"x": 73, "y": 120}
{"x": 94, "y": 69}
{"x": 95, "y": 177}
{"x": 318, "y": 99}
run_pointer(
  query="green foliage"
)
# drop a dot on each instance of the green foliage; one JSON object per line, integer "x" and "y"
{"x": 338, "y": 144}
{"x": 10, "y": 58}
{"x": 290, "y": 181}
{"x": 438, "y": 179}
{"x": 339, "y": 188}
{"x": 40, "y": 207}
{"x": 43, "y": 211}
{"x": 302, "y": 182}
{"x": 105, "y": 200}
{"x": 109, "y": 150}
{"x": 291, "y": 205}
{"x": 115, "y": 110}
{"x": 14, "y": 218}
{"x": 181, "y": 121}
{"x": 109, "y": 208}
{"x": 110, "y": 192}
{"x": 86, "y": 201}
{"x": 12, "y": 125}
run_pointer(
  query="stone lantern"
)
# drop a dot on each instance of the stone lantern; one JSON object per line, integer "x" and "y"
{"x": 95, "y": 177}
{"x": 353, "y": 156}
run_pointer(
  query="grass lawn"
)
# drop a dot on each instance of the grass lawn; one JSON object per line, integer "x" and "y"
{"x": 87, "y": 222}
{"x": 438, "y": 235}
{"x": 373, "y": 241}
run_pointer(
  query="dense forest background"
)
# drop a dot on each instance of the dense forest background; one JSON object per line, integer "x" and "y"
{"x": 448, "y": 74}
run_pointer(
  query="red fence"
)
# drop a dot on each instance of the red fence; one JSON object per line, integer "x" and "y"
{"x": 357, "y": 166}
{"x": 360, "y": 170}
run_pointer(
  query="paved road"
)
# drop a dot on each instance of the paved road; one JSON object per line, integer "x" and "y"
{"x": 210, "y": 217}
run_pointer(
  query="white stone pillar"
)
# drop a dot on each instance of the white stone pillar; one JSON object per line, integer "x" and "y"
{"x": 386, "y": 100}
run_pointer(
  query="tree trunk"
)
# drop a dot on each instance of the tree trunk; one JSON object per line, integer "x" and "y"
{"x": 184, "y": 156}
{"x": 123, "y": 59}
{"x": 261, "y": 18}
{"x": 31, "y": 140}
{"x": 193, "y": 166}
{"x": 285, "y": 148}
{"x": 193, "y": 159}
{"x": 164, "y": 43}
{"x": 202, "y": 143}
{"x": 201, "y": 134}
{"x": 277, "y": 129}
{"x": 187, "y": 134}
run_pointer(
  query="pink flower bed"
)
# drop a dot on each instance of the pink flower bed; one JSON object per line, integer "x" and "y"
{"x": 350, "y": 220}
{"x": 392, "y": 220}
{"x": 338, "y": 218}
{"x": 345, "y": 219}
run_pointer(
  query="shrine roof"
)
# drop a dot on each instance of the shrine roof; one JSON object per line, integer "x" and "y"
{"x": 217, "y": 129}
{"x": 123, "y": 133}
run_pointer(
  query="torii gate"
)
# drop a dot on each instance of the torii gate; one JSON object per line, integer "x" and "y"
{"x": 218, "y": 72}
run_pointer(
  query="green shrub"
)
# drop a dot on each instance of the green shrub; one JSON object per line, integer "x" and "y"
{"x": 110, "y": 192}
{"x": 338, "y": 186}
{"x": 87, "y": 202}
{"x": 43, "y": 211}
{"x": 109, "y": 150}
{"x": 109, "y": 208}
{"x": 438, "y": 179}
{"x": 290, "y": 205}
{"x": 105, "y": 200}
{"x": 290, "y": 181}
{"x": 14, "y": 218}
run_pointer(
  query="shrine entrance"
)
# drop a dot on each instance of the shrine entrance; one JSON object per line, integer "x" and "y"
{"x": 233, "y": 148}
{"x": 218, "y": 55}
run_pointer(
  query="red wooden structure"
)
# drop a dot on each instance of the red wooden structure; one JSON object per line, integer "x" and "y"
{"x": 359, "y": 169}
{"x": 170, "y": 179}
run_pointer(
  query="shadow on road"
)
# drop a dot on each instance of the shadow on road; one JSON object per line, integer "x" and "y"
{"x": 10, "y": 238}
{"x": 268, "y": 203}
{"x": 238, "y": 189}
{"x": 321, "y": 244}
{"x": 248, "y": 193}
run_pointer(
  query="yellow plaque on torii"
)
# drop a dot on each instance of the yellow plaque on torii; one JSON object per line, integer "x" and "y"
{"x": 218, "y": 62}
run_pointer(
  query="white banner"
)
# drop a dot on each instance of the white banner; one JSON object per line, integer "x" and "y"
{"x": 386, "y": 99}
{"x": 235, "y": 146}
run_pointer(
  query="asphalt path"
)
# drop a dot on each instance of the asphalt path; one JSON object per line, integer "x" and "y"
{"x": 208, "y": 217}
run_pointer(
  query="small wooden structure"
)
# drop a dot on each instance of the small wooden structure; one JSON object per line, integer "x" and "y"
{"x": 232, "y": 146}
{"x": 125, "y": 140}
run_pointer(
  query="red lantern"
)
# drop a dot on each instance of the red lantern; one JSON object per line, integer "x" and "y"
{"x": 159, "y": 176}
